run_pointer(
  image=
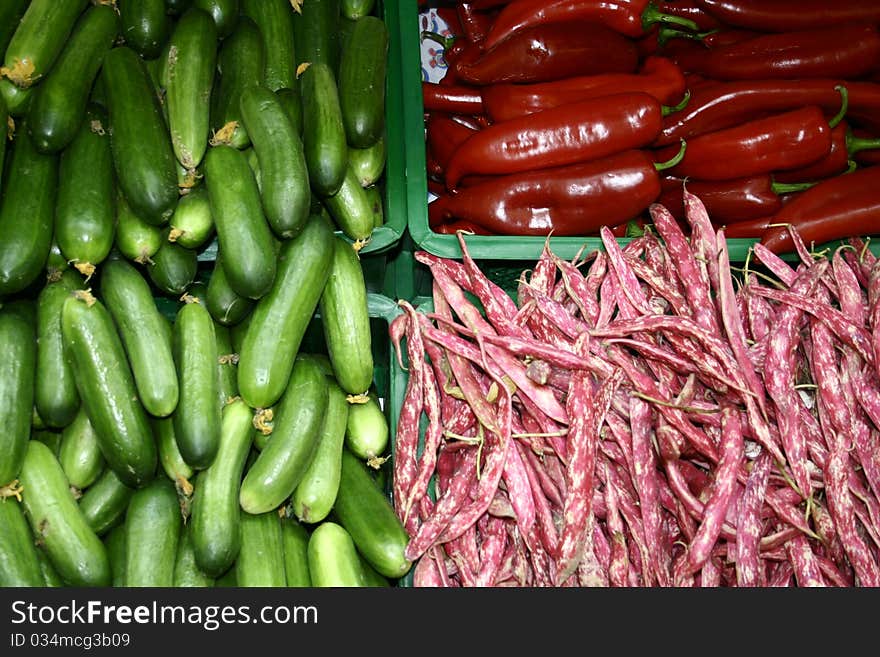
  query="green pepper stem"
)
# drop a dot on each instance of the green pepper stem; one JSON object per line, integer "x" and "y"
{"x": 652, "y": 14}
{"x": 855, "y": 144}
{"x": 788, "y": 188}
{"x": 664, "y": 34}
{"x": 666, "y": 110}
{"x": 844, "y": 106}
{"x": 677, "y": 158}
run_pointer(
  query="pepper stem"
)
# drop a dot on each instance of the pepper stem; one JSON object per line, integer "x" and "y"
{"x": 844, "y": 106}
{"x": 664, "y": 34}
{"x": 855, "y": 144}
{"x": 788, "y": 188}
{"x": 677, "y": 158}
{"x": 446, "y": 42}
{"x": 652, "y": 14}
{"x": 666, "y": 110}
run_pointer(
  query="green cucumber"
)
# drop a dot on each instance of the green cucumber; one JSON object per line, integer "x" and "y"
{"x": 136, "y": 239}
{"x": 260, "y": 561}
{"x": 27, "y": 212}
{"x": 146, "y": 26}
{"x": 16, "y": 99}
{"x": 56, "y": 265}
{"x": 372, "y": 577}
{"x": 316, "y": 33}
{"x": 153, "y": 523}
{"x": 274, "y": 18}
{"x": 19, "y": 558}
{"x": 104, "y": 502}
{"x": 55, "y": 396}
{"x": 333, "y": 557}
{"x": 39, "y": 38}
{"x": 144, "y": 334}
{"x": 52, "y": 439}
{"x": 105, "y": 384}
{"x": 367, "y": 514}
{"x": 11, "y": 12}
{"x": 85, "y": 215}
{"x": 367, "y": 434}
{"x": 243, "y": 234}
{"x": 173, "y": 267}
{"x": 280, "y": 319}
{"x": 186, "y": 571}
{"x": 374, "y": 193}
{"x": 51, "y": 578}
{"x": 241, "y": 62}
{"x": 226, "y": 305}
{"x": 324, "y": 139}
{"x": 284, "y": 176}
{"x": 351, "y": 208}
{"x": 291, "y": 101}
{"x": 115, "y": 544}
{"x": 142, "y": 152}
{"x": 56, "y": 521}
{"x": 294, "y": 439}
{"x": 354, "y": 9}
{"x": 346, "y": 320}
{"x": 18, "y": 344}
{"x": 315, "y": 494}
{"x": 224, "y": 12}
{"x": 59, "y": 102}
{"x": 175, "y": 468}
{"x": 192, "y": 224}
{"x": 189, "y": 71}
{"x": 216, "y": 514}
{"x": 227, "y": 361}
{"x": 368, "y": 163}
{"x": 4, "y": 132}
{"x": 296, "y": 553}
{"x": 197, "y": 418}
{"x": 177, "y": 7}
{"x": 362, "y": 72}
{"x": 80, "y": 454}
{"x": 227, "y": 579}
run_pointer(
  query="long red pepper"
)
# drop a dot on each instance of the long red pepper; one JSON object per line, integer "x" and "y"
{"x": 551, "y": 52}
{"x": 844, "y": 147}
{"x": 790, "y": 15}
{"x": 631, "y": 18}
{"x": 658, "y": 76}
{"x": 691, "y": 10}
{"x": 454, "y": 99}
{"x": 474, "y": 23}
{"x": 570, "y": 133}
{"x": 444, "y": 134}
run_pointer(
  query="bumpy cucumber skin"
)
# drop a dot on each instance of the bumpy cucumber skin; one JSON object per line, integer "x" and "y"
{"x": 146, "y": 25}
{"x": 186, "y": 570}
{"x": 175, "y": 468}
{"x": 362, "y": 72}
{"x": 260, "y": 560}
{"x": 136, "y": 239}
{"x": 316, "y": 33}
{"x": 80, "y": 454}
{"x": 153, "y": 523}
{"x": 368, "y": 163}
{"x": 351, "y": 208}
{"x": 173, "y": 267}
{"x": 19, "y": 562}
{"x": 367, "y": 434}
{"x": 104, "y": 502}
{"x": 333, "y": 558}
{"x": 19, "y": 348}
{"x": 324, "y": 139}
{"x": 192, "y": 224}
{"x": 296, "y": 553}
{"x": 275, "y": 20}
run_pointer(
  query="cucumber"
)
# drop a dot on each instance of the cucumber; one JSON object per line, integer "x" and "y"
{"x": 345, "y": 319}
{"x": 27, "y": 210}
{"x": 142, "y": 152}
{"x": 324, "y": 139}
{"x": 227, "y": 360}
{"x": 39, "y": 38}
{"x": 291, "y": 101}
{"x": 260, "y": 561}
{"x": 316, "y": 33}
{"x": 226, "y": 306}
{"x": 136, "y": 239}
{"x": 85, "y": 215}
{"x": 241, "y": 62}
{"x": 367, "y": 514}
{"x": 237, "y": 333}
{"x": 173, "y": 267}
{"x": 354, "y": 9}
{"x": 367, "y": 434}
{"x": 52, "y": 439}
{"x": 197, "y": 418}
{"x": 106, "y": 387}
{"x": 313, "y": 497}
{"x": 274, "y": 18}
{"x": 56, "y": 265}
{"x": 59, "y": 102}
{"x": 4, "y": 130}
{"x": 192, "y": 57}
{"x": 351, "y": 208}
{"x": 333, "y": 558}
{"x": 224, "y": 12}
{"x": 284, "y": 176}
{"x": 372, "y": 577}
{"x": 280, "y": 319}
{"x": 16, "y": 99}
{"x": 243, "y": 234}
{"x": 186, "y": 571}
{"x": 177, "y": 7}
{"x": 227, "y": 579}
{"x": 145, "y": 27}
{"x": 152, "y": 526}
{"x": 291, "y": 447}
{"x": 104, "y": 502}
{"x": 362, "y": 72}
{"x": 19, "y": 559}
{"x": 192, "y": 224}
{"x": 216, "y": 514}
{"x": 368, "y": 163}
{"x": 115, "y": 544}
{"x": 80, "y": 454}
{"x": 374, "y": 193}
{"x": 55, "y": 396}
{"x": 175, "y": 468}
{"x": 295, "y": 538}
{"x": 51, "y": 578}
{"x": 18, "y": 344}
{"x": 56, "y": 521}
{"x": 144, "y": 334}
{"x": 11, "y": 12}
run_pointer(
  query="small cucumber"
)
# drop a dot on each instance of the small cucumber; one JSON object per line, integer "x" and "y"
{"x": 192, "y": 224}
{"x": 216, "y": 514}
{"x": 226, "y": 305}
{"x": 51, "y": 439}
{"x": 362, "y": 72}
{"x": 274, "y": 18}
{"x": 177, "y": 7}
{"x": 55, "y": 263}
{"x": 197, "y": 418}
{"x": 136, "y": 239}
{"x": 153, "y": 523}
{"x": 104, "y": 502}
{"x": 146, "y": 25}
{"x": 368, "y": 163}
{"x": 354, "y": 9}
{"x": 80, "y": 454}
{"x": 16, "y": 99}
{"x": 227, "y": 360}
{"x": 186, "y": 571}
{"x": 115, "y": 544}
{"x": 19, "y": 560}
{"x": 51, "y": 578}
{"x": 260, "y": 561}
{"x": 372, "y": 577}
{"x": 333, "y": 557}
{"x": 237, "y": 332}
{"x": 106, "y": 387}
{"x": 324, "y": 139}
{"x": 367, "y": 434}
{"x": 11, "y": 12}
{"x": 296, "y": 553}
{"x": 224, "y": 12}
{"x": 175, "y": 468}
{"x": 374, "y": 193}
{"x": 291, "y": 101}
{"x": 173, "y": 267}
{"x": 291, "y": 447}
{"x": 351, "y": 208}
{"x": 57, "y": 522}
{"x": 316, "y": 33}
{"x": 144, "y": 335}
{"x": 18, "y": 345}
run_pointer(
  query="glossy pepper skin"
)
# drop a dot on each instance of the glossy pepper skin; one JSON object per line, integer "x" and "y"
{"x": 475, "y": 24}
{"x": 444, "y": 134}
{"x": 790, "y": 15}
{"x": 844, "y": 148}
{"x": 691, "y": 10}
{"x": 552, "y": 52}
{"x": 571, "y": 200}
{"x": 576, "y": 132}
{"x": 658, "y": 76}
{"x": 454, "y": 99}
{"x": 778, "y": 142}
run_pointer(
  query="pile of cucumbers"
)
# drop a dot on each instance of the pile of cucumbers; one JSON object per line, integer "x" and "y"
{"x": 165, "y": 419}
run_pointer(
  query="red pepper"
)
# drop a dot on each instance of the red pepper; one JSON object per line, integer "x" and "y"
{"x": 474, "y": 23}
{"x": 844, "y": 146}
{"x": 844, "y": 51}
{"x": 774, "y": 143}
{"x": 454, "y": 99}
{"x": 658, "y": 76}
{"x": 585, "y": 130}
{"x": 722, "y": 36}
{"x": 444, "y": 134}
{"x": 552, "y": 52}
{"x": 866, "y": 157}
{"x": 836, "y": 208}
{"x": 455, "y": 50}
{"x": 454, "y": 227}
{"x": 631, "y": 18}
{"x": 449, "y": 15}
{"x": 790, "y": 15}
{"x": 691, "y": 10}
{"x": 488, "y": 4}
{"x": 570, "y": 200}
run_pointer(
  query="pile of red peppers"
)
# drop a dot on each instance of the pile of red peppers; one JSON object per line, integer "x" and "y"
{"x": 563, "y": 116}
